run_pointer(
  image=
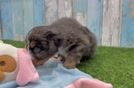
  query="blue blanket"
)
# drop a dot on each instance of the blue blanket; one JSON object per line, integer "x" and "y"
{"x": 52, "y": 75}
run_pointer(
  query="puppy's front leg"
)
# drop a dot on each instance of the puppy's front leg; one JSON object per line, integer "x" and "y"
{"x": 71, "y": 61}
{"x": 74, "y": 55}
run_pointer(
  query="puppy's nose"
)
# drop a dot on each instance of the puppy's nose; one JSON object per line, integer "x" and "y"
{"x": 36, "y": 50}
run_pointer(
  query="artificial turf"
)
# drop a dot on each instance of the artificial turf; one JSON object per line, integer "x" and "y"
{"x": 113, "y": 65}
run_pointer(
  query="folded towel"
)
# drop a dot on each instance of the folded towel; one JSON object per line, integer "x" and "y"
{"x": 54, "y": 75}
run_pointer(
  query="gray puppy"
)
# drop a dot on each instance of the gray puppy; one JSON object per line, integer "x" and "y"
{"x": 65, "y": 37}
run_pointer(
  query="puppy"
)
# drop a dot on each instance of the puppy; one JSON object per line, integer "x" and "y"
{"x": 65, "y": 37}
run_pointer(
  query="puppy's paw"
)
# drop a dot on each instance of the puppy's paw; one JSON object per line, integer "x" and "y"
{"x": 69, "y": 63}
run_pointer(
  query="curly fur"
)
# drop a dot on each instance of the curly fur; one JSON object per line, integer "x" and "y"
{"x": 65, "y": 37}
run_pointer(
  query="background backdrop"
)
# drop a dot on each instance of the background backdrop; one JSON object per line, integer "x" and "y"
{"x": 112, "y": 21}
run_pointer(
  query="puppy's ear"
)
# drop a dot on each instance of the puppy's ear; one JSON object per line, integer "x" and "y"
{"x": 49, "y": 35}
{"x": 93, "y": 41}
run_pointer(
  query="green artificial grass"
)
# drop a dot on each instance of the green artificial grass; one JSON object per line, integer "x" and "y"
{"x": 113, "y": 65}
{"x": 18, "y": 44}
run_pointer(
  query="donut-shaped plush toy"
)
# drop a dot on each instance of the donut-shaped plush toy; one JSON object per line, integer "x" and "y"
{"x": 7, "y": 64}
{"x": 16, "y": 64}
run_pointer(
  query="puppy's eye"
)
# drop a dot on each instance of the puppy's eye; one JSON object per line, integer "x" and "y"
{"x": 45, "y": 44}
